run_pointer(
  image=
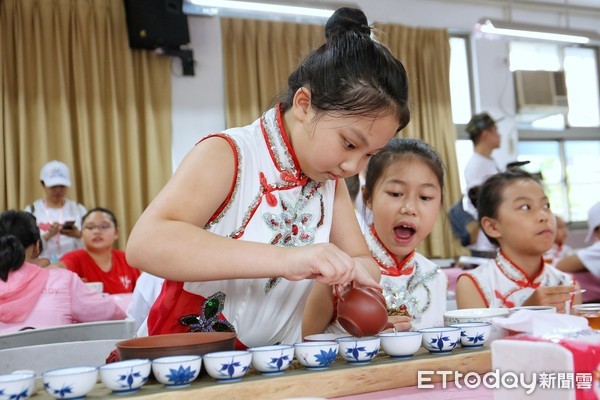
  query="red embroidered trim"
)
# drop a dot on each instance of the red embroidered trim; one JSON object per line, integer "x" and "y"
{"x": 398, "y": 269}
{"x": 235, "y": 175}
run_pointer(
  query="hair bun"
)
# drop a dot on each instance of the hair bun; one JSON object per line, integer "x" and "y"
{"x": 347, "y": 19}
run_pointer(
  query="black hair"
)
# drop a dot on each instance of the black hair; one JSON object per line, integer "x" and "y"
{"x": 351, "y": 72}
{"x": 353, "y": 184}
{"x": 490, "y": 194}
{"x": 18, "y": 231}
{"x": 103, "y": 210}
{"x": 402, "y": 148}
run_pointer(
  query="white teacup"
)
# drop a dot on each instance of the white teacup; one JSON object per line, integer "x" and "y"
{"x": 545, "y": 309}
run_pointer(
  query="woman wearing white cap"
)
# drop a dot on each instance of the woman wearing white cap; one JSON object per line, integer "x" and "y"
{"x": 58, "y": 218}
{"x": 589, "y": 257}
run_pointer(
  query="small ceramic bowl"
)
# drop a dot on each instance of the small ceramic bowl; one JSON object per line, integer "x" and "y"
{"x": 272, "y": 360}
{"x": 474, "y": 334}
{"x": 441, "y": 339}
{"x": 228, "y": 366}
{"x": 27, "y": 371}
{"x": 176, "y": 371}
{"x": 70, "y": 383}
{"x": 546, "y": 309}
{"x": 359, "y": 350}
{"x": 16, "y": 385}
{"x": 316, "y": 356}
{"x": 401, "y": 344}
{"x": 478, "y": 315}
{"x": 125, "y": 376}
{"x": 324, "y": 337}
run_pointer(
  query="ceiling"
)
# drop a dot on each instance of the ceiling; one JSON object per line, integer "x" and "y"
{"x": 556, "y": 4}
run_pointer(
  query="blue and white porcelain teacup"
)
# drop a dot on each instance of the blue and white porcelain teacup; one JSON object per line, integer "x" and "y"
{"x": 441, "y": 339}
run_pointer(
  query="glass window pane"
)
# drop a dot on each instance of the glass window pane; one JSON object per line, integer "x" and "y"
{"x": 534, "y": 56}
{"x": 460, "y": 90}
{"x": 583, "y": 161}
{"x": 544, "y": 157}
{"x": 581, "y": 198}
{"x": 464, "y": 151}
{"x": 583, "y": 176}
{"x": 581, "y": 74}
{"x": 556, "y": 194}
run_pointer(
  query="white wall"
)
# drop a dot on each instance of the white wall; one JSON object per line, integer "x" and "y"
{"x": 198, "y": 102}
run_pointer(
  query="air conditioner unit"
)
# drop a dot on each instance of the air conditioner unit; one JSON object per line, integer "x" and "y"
{"x": 540, "y": 93}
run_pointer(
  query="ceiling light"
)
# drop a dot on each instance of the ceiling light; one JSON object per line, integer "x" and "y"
{"x": 241, "y": 8}
{"x": 509, "y": 28}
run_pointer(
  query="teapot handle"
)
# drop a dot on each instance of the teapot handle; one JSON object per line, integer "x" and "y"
{"x": 339, "y": 294}
{"x": 373, "y": 291}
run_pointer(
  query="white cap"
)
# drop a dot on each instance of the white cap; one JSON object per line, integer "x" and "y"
{"x": 593, "y": 220}
{"x": 55, "y": 173}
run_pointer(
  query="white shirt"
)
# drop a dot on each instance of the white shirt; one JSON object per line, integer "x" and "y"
{"x": 147, "y": 289}
{"x": 55, "y": 247}
{"x": 477, "y": 170}
{"x": 590, "y": 258}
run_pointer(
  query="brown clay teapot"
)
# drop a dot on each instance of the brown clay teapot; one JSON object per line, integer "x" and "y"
{"x": 362, "y": 311}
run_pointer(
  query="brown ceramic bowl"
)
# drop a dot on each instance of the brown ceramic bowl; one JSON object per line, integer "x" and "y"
{"x": 176, "y": 344}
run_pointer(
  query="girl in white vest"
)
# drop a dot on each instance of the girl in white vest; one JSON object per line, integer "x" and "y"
{"x": 514, "y": 212}
{"x": 254, "y": 215}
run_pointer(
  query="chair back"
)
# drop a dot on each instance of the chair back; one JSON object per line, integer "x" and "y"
{"x": 101, "y": 330}
{"x": 45, "y": 357}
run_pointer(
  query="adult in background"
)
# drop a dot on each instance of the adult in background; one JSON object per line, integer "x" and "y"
{"x": 58, "y": 218}
{"x": 35, "y": 297}
{"x": 484, "y": 133}
{"x": 98, "y": 261}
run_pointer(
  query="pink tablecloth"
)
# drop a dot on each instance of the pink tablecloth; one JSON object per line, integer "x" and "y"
{"x": 451, "y": 392}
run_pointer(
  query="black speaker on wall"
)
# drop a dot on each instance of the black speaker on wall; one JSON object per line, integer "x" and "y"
{"x": 161, "y": 25}
{"x": 155, "y": 24}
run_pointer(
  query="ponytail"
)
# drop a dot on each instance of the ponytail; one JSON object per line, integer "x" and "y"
{"x": 18, "y": 231}
{"x": 12, "y": 255}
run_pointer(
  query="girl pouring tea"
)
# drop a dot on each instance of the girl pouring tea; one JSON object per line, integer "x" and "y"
{"x": 254, "y": 215}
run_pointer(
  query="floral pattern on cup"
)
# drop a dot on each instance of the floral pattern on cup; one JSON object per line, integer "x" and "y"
{"x": 130, "y": 380}
{"x": 176, "y": 371}
{"x": 126, "y": 376}
{"x": 70, "y": 382}
{"x": 474, "y": 334}
{"x": 228, "y": 366}
{"x": 440, "y": 339}
{"x": 16, "y": 386}
{"x": 359, "y": 350}
{"x": 272, "y": 360}
{"x": 316, "y": 355}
